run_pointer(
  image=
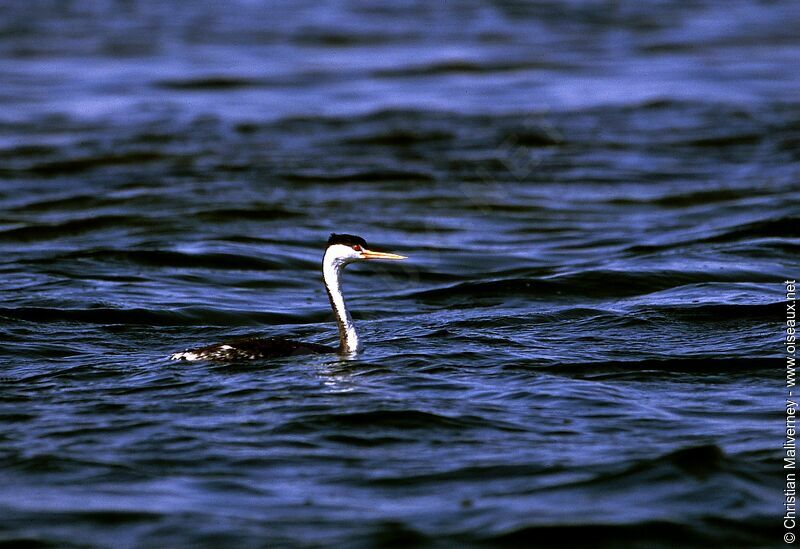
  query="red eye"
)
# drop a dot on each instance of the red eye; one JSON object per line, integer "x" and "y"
{"x": 357, "y": 248}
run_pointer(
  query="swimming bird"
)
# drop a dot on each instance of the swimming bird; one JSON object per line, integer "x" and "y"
{"x": 341, "y": 250}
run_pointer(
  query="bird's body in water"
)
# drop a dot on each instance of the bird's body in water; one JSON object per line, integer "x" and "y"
{"x": 341, "y": 250}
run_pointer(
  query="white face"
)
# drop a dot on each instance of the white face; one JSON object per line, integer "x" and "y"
{"x": 341, "y": 254}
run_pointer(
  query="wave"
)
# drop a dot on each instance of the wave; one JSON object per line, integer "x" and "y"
{"x": 690, "y": 365}
{"x": 254, "y": 213}
{"x": 401, "y": 137}
{"x": 50, "y": 231}
{"x": 787, "y": 228}
{"x": 728, "y": 140}
{"x": 672, "y": 478}
{"x": 388, "y": 419}
{"x": 783, "y": 227}
{"x": 365, "y": 176}
{"x": 586, "y": 284}
{"x": 187, "y": 316}
{"x": 78, "y": 165}
{"x": 168, "y": 258}
{"x": 469, "y": 67}
{"x": 209, "y": 83}
{"x": 717, "y": 311}
{"x": 78, "y": 202}
{"x": 691, "y": 198}
{"x": 651, "y": 533}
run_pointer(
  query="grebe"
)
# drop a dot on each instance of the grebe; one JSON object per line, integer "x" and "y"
{"x": 341, "y": 250}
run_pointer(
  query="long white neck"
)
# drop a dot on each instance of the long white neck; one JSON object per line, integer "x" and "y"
{"x": 332, "y": 271}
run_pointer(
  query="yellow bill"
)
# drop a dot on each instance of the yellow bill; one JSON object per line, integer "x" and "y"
{"x": 369, "y": 254}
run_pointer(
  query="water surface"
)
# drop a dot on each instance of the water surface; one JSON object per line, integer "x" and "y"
{"x": 599, "y": 200}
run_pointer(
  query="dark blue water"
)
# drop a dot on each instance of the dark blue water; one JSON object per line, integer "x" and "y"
{"x": 599, "y": 202}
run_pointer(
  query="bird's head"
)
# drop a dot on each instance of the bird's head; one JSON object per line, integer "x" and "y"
{"x": 347, "y": 248}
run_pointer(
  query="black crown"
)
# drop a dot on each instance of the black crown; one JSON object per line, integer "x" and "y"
{"x": 347, "y": 240}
